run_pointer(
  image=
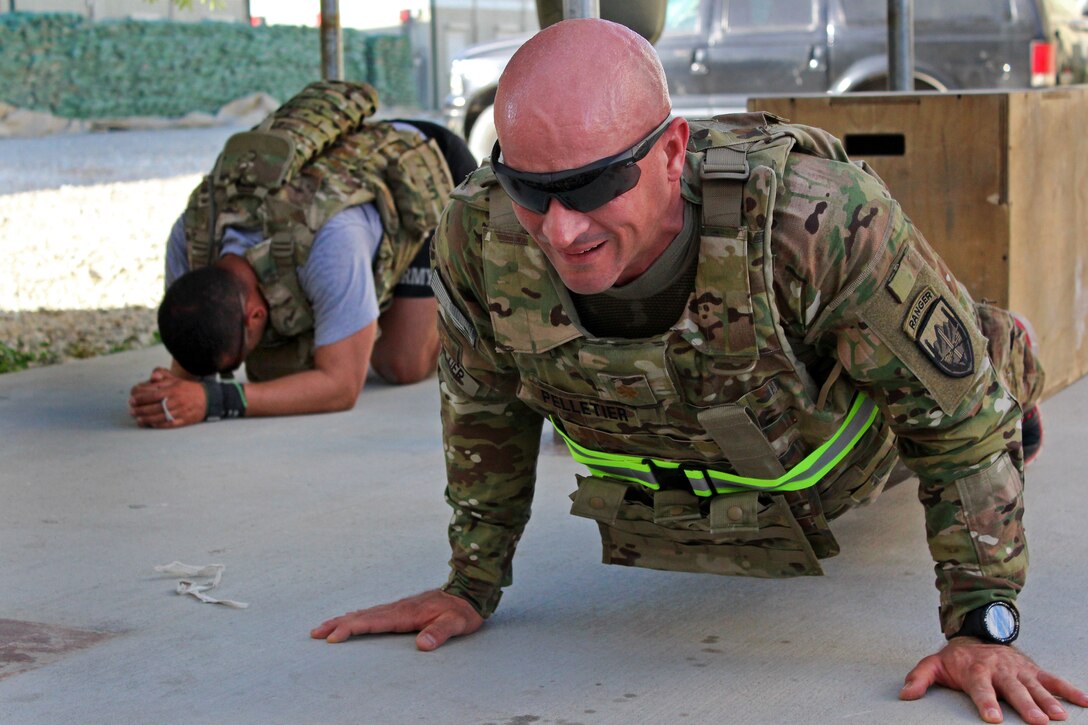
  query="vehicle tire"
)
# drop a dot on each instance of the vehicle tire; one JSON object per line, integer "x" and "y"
{"x": 482, "y": 136}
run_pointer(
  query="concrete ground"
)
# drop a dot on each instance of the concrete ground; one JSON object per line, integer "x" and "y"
{"x": 314, "y": 516}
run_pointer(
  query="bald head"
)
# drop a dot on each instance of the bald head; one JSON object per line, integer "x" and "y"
{"x": 578, "y": 91}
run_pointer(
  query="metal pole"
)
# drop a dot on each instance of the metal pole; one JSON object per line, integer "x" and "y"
{"x": 436, "y": 100}
{"x": 901, "y": 45}
{"x": 332, "y": 50}
{"x": 581, "y": 9}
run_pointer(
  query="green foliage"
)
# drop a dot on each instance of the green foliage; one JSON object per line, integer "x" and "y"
{"x": 12, "y": 360}
{"x": 132, "y": 342}
{"x": 80, "y": 334}
{"x": 64, "y": 64}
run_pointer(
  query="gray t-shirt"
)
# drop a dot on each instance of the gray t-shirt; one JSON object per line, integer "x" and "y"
{"x": 337, "y": 279}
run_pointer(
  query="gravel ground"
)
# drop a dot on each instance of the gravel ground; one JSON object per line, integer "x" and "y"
{"x": 83, "y": 223}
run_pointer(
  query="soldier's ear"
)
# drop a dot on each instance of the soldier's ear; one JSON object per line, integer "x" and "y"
{"x": 254, "y": 306}
{"x": 675, "y": 139}
{"x": 256, "y": 322}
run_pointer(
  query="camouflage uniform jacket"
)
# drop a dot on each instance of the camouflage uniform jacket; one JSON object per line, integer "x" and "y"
{"x": 822, "y": 288}
{"x": 310, "y": 159}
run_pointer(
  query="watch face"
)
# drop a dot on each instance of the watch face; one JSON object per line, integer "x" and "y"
{"x": 1000, "y": 622}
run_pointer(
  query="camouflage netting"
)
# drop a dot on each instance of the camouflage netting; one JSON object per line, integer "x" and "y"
{"x": 63, "y": 64}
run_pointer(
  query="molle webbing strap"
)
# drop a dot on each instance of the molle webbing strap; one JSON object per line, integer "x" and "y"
{"x": 707, "y": 481}
{"x": 319, "y": 115}
{"x": 751, "y": 454}
{"x": 451, "y": 311}
{"x": 722, "y": 201}
{"x": 724, "y": 172}
{"x": 258, "y": 162}
{"x": 199, "y": 223}
{"x": 741, "y": 440}
{"x": 500, "y": 212}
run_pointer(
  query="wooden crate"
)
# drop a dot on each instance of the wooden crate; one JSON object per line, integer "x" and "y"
{"x": 996, "y": 182}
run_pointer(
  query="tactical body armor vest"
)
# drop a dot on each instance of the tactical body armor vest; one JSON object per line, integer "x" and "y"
{"x": 310, "y": 159}
{"x": 721, "y": 392}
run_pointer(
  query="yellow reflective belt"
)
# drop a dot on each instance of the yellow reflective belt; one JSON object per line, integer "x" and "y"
{"x": 707, "y": 481}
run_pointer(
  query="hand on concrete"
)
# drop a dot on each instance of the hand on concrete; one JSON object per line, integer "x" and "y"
{"x": 436, "y": 615}
{"x": 167, "y": 401}
{"x": 989, "y": 671}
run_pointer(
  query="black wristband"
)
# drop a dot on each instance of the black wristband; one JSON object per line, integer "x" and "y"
{"x": 213, "y": 410}
{"x": 997, "y": 623}
{"x": 225, "y": 400}
{"x": 234, "y": 400}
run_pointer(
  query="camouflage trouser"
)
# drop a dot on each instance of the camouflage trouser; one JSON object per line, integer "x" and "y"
{"x": 1014, "y": 359}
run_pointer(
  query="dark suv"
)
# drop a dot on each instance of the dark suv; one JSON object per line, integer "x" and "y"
{"x": 716, "y": 53}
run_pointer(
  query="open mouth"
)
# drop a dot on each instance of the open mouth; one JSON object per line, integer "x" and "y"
{"x": 587, "y": 250}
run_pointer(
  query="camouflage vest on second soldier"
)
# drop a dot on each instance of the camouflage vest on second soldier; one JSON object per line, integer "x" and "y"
{"x": 721, "y": 393}
{"x": 310, "y": 159}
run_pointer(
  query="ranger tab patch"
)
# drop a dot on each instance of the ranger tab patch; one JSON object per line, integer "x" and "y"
{"x": 940, "y": 334}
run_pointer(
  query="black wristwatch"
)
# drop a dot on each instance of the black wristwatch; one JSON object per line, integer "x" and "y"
{"x": 997, "y": 623}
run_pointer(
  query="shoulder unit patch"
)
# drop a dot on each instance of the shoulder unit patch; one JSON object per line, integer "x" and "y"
{"x": 940, "y": 334}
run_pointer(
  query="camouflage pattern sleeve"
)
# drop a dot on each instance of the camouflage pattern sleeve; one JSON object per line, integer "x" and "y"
{"x": 862, "y": 287}
{"x": 490, "y": 438}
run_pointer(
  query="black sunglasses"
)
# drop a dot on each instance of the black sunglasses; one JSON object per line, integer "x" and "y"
{"x": 583, "y": 189}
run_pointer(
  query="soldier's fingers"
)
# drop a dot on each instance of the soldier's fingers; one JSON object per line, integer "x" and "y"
{"x": 153, "y": 416}
{"x": 1045, "y": 700}
{"x": 322, "y": 630}
{"x": 142, "y": 395}
{"x": 163, "y": 418}
{"x": 980, "y": 689}
{"x": 380, "y": 619}
{"x": 1019, "y": 697}
{"x": 445, "y": 626}
{"x": 435, "y": 614}
{"x": 146, "y": 413}
{"x": 430, "y": 639}
{"x": 920, "y": 679}
{"x": 1063, "y": 688}
{"x": 146, "y": 395}
{"x": 340, "y": 632}
{"x": 339, "y": 629}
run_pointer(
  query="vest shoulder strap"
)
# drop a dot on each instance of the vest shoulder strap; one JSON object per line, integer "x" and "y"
{"x": 255, "y": 164}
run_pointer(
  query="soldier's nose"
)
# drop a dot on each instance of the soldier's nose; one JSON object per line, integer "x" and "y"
{"x": 562, "y": 226}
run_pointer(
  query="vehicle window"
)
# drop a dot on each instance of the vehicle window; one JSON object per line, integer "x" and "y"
{"x": 682, "y": 16}
{"x": 868, "y": 12}
{"x": 761, "y": 15}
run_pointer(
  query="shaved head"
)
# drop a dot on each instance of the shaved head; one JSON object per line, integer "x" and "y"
{"x": 577, "y": 91}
